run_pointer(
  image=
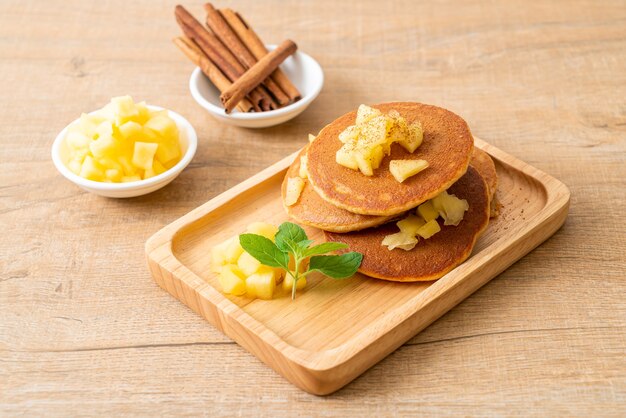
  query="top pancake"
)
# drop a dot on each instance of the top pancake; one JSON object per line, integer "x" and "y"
{"x": 433, "y": 257}
{"x": 447, "y": 146}
{"x": 312, "y": 210}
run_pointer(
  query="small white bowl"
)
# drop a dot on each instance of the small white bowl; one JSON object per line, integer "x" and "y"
{"x": 188, "y": 144}
{"x": 303, "y": 71}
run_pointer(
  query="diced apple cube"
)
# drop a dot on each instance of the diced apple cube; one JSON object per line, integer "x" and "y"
{"x": 293, "y": 191}
{"x": 75, "y": 166}
{"x": 143, "y": 155}
{"x": 77, "y": 140}
{"x": 91, "y": 170}
{"x": 374, "y": 132}
{"x": 102, "y": 147}
{"x": 261, "y": 285}
{"x": 157, "y": 168}
{"x": 262, "y": 228}
{"x": 410, "y": 224}
{"x": 232, "y": 280}
{"x": 451, "y": 208}
{"x": 346, "y": 158}
{"x": 129, "y": 169}
{"x": 248, "y": 264}
{"x": 130, "y": 130}
{"x": 311, "y": 137}
{"x": 113, "y": 174}
{"x": 427, "y": 211}
{"x": 403, "y": 169}
{"x": 168, "y": 151}
{"x": 302, "y": 171}
{"x": 288, "y": 283}
{"x": 350, "y": 134}
{"x": 143, "y": 114}
{"x": 399, "y": 130}
{"x": 164, "y": 126}
{"x": 218, "y": 256}
{"x": 400, "y": 240}
{"x": 429, "y": 229}
{"x": 364, "y": 113}
{"x": 377, "y": 156}
{"x": 364, "y": 164}
{"x": 414, "y": 137}
{"x": 105, "y": 129}
{"x": 124, "y": 109}
{"x": 233, "y": 250}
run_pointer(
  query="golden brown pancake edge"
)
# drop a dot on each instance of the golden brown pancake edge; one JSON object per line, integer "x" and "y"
{"x": 431, "y": 258}
{"x": 312, "y": 210}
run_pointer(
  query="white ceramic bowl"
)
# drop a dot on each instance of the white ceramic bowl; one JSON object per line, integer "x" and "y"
{"x": 188, "y": 145}
{"x": 303, "y": 71}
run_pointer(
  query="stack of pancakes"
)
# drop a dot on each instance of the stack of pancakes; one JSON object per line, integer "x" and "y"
{"x": 361, "y": 210}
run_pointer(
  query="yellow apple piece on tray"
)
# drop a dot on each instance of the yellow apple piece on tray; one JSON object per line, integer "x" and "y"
{"x": 232, "y": 280}
{"x": 124, "y": 142}
{"x": 261, "y": 284}
{"x": 268, "y": 255}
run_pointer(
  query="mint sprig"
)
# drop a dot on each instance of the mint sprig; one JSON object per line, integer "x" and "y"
{"x": 292, "y": 240}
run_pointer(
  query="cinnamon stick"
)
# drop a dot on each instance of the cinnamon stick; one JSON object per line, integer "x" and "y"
{"x": 195, "y": 55}
{"x": 215, "y": 21}
{"x": 254, "y": 44}
{"x": 258, "y": 72}
{"x": 219, "y": 55}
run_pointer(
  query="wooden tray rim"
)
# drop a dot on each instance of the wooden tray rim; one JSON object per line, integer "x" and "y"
{"x": 159, "y": 249}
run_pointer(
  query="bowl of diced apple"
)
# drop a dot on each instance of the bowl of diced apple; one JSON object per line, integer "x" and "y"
{"x": 125, "y": 149}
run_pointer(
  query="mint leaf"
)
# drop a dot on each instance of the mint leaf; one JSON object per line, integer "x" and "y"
{"x": 264, "y": 250}
{"x": 289, "y": 233}
{"x": 336, "y": 266}
{"x": 324, "y": 248}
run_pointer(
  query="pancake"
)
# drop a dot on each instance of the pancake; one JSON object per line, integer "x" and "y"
{"x": 447, "y": 147}
{"x": 312, "y": 210}
{"x": 482, "y": 162}
{"x": 433, "y": 257}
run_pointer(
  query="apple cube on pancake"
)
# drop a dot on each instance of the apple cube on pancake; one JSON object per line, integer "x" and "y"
{"x": 400, "y": 240}
{"x": 350, "y": 134}
{"x": 403, "y": 169}
{"x": 294, "y": 188}
{"x": 302, "y": 171}
{"x": 365, "y": 113}
{"x": 410, "y": 224}
{"x": 413, "y": 138}
{"x": 364, "y": 163}
{"x": 429, "y": 229}
{"x": 450, "y": 207}
{"x": 427, "y": 211}
{"x": 346, "y": 158}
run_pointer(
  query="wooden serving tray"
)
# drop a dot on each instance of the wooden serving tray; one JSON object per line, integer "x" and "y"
{"x": 335, "y": 330}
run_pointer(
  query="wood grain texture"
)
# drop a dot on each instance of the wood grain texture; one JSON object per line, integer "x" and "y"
{"x": 304, "y": 340}
{"x": 85, "y": 331}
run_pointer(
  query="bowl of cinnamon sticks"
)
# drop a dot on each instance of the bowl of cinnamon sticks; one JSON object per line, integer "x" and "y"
{"x": 239, "y": 79}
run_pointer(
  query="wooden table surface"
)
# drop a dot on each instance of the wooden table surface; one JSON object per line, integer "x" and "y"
{"x": 85, "y": 331}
